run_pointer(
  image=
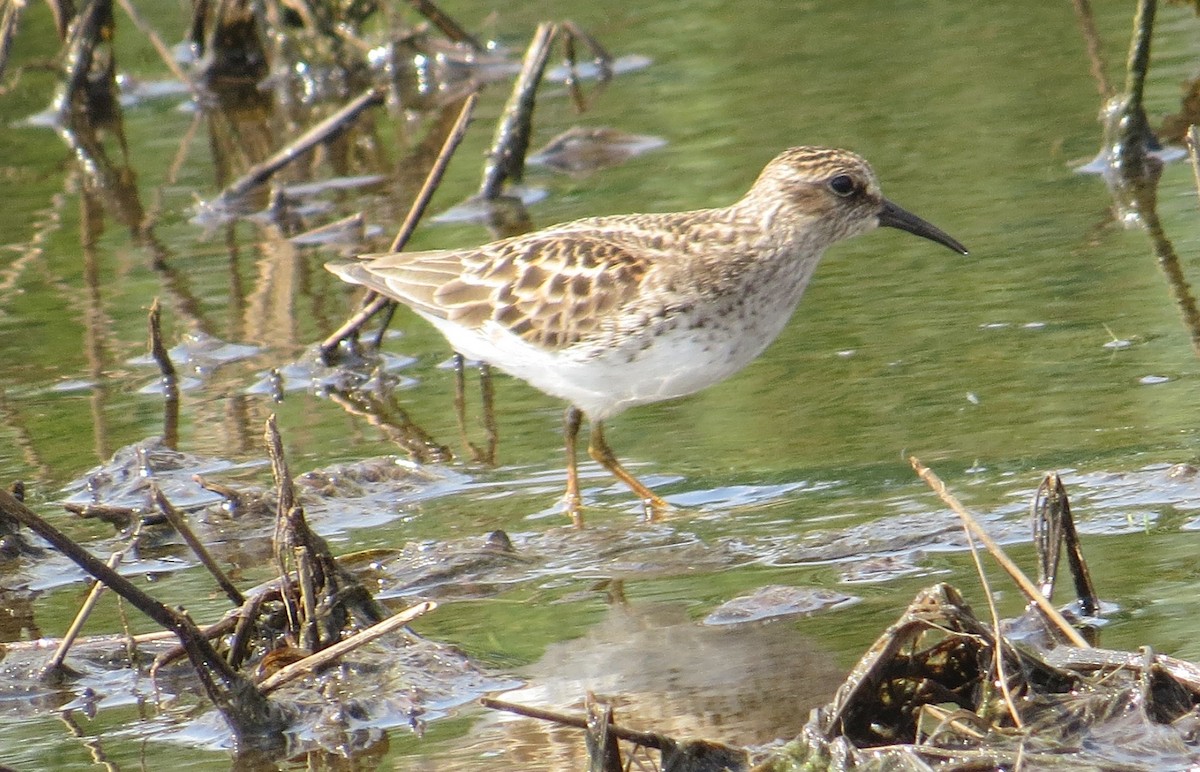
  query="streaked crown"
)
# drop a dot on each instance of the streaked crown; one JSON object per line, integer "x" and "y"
{"x": 832, "y": 189}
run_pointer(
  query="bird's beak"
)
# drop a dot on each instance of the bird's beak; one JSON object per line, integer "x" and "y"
{"x": 892, "y": 216}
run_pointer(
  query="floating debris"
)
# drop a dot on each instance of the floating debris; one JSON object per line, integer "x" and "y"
{"x": 777, "y": 600}
{"x": 580, "y": 150}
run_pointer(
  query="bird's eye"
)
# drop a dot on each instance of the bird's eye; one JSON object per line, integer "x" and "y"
{"x": 843, "y": 185}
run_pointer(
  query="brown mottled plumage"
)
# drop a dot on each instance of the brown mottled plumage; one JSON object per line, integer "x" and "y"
{"x": 611, "y": 312}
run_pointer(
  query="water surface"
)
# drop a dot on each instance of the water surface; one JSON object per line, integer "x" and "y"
{"x": 1054, "y": 345}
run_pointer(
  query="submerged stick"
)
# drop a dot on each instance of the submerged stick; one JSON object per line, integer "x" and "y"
{"x": 314, "y": 662}
{"x": 1091, "y": 38}
{"x": 646, "y": 739}
{"x": 1027, "y": 587}
{"x": 1144, "y": 193}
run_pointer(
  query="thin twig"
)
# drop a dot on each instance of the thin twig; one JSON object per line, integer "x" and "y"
{"x": 1027, "y": 587}
{"x": 434, "y": 178}
{"x": 314, "y": 662}
{"x": 646, "y": 739}
{"x": 997, "y": 633}
{"x": 374, "y": 302}
{"x": 179, "y": 523}
{"x": 157, "y": 349}
{"x": 53, "y": 667}
{"x": 322, "y": 132}
{"x": 250, "y": 714}
{"x": 156, "y": 41}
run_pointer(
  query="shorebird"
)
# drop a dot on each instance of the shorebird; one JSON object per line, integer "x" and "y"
{"x": 611, "y": 312}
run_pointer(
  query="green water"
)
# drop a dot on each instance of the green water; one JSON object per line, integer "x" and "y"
{"x": 991, "y": 368}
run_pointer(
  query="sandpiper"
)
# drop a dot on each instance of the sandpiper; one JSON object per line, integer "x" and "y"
{"x": 611, "y": 312}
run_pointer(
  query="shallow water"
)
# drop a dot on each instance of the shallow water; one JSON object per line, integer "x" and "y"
{"x": 1054, "y": 345}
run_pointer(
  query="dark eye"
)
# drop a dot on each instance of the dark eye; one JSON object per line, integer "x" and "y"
{"x": 843, "y": 185}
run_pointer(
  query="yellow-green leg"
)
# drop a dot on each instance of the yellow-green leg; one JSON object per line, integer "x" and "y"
{"x": 602, "y": 454}
{"x": 571, "y": 421}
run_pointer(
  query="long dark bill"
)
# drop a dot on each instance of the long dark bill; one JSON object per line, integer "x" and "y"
{"x": 893, "y": 216}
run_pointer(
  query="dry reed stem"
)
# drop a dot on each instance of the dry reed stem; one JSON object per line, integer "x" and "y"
{"x": 374, "y": 302}
{"x": 314, "y": 662}
{"x": 1027, "y": 587}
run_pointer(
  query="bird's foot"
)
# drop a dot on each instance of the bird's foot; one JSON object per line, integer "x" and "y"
{"x": 655, "y": 508}
{"x": 573, "y": 507}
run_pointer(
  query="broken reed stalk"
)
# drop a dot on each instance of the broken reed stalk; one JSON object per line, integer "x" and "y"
{"x": 246, "y": 625}
{"x": 320, "y": 659}
{"x": 310, "y": 633}
{"x": 322, "y": 132}
{"x": 603, "y": 751}
{"x": 645, "y": 739}
{"x": 395, "y": 424}
{"x": 54, "y": 666}
{"x": 251, "y": 716}
{"x": 286, "y": 498}
{"x": 449, "y": 27}
{"x": 374, "y": 302}
{"x": 1053, "y": 532}
{"x": 506, "y": 160}
{"x": 179, "y": 523}
{"x": 600, "y": 56}
{"x": 158, "y": 350}
{"x": 1027, "y": 587}
{"x": 294, "y": 542}
{"x": 170, "y": 377}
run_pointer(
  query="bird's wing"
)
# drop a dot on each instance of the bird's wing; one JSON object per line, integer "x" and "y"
{"x": 551, "y": 288}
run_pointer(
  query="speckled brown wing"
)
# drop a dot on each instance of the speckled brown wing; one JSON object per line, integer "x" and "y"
{"x": 552, "y": 288}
